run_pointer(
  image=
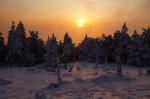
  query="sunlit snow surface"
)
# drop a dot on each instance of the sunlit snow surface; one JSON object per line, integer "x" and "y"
{"x": 86, "y": 83}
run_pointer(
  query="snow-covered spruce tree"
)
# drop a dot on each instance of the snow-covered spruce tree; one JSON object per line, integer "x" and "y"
{"x": 89, "y": 49}
{"x": 135, "y": 49}
{"x": 10, "y": 57}
{"x": 97, "y": 51}
{"x": 107, "y": 48}
{"x": 83, "y": 49}
{"x": 2, "y": 49}
{"x": 35, "y": 47}
{"x": 68, "y": 49}
{"x": 93, "y": 47}
{"x": 146, "y": 43}
{"x": 51, "y": 51}
{"x": 20, "y": 49}
{"x": 116, "y": 43}
{"x": 54, "y": 54}
{"x": 17, "y": 49}
{"x": 124, "y": 41}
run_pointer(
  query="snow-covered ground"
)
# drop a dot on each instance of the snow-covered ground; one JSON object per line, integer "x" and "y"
{"x": 86, "y": 83}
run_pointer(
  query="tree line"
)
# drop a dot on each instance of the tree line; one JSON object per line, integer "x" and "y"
{"x": 25, "y": 51}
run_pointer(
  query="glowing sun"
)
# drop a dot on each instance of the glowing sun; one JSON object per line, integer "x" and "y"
{"x": 81, "y": 22}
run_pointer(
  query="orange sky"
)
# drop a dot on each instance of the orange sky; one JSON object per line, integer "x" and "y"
{"x": 59, "y": 16}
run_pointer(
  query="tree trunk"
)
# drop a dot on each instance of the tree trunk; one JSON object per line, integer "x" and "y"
{"x": 97, "y": 61}
{"x": 70, "y": 70}
{"x": 58, "y": 72}
{"x": 119, "y": 69}
{"x": 65, "y": 65}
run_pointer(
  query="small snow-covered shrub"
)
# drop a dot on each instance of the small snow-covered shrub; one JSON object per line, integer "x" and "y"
{"x": 52, "y": 85}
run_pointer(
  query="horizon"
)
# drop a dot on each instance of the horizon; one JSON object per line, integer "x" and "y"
{"x": 77, "y": 17}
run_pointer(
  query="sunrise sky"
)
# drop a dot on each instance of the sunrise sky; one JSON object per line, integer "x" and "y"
{"x": 78, "y": 17}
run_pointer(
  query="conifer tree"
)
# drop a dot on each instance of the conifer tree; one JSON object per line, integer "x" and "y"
{"x": 83, "y": 49}
{"x": 106, "y": 45}
{"x": 10, "y": 57}
{"x": 21, "y": 52}
{"x": 116, "y": 45}
{"x": 124, "y": 41}
{"x": 35, "y": 47}
{"x": 2, "y": 49}
{"x": 51, "y": 51}
{"x": 68, "y": 49}
{"x": 94, "y": 50}
{"x": 146, "y": 43}
{"x": 135, "y": 49}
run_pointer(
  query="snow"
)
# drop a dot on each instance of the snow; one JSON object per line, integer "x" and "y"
{"x": 88, "y": 82}
{"x": 25, "y": 82}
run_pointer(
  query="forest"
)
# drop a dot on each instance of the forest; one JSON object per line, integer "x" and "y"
{"x": 21, "y": 50}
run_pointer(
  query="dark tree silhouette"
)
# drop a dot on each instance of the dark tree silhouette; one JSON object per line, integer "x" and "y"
{"x": 10, "y": 57}
{"x": 107, "y": 47}
{"x": 146, "y": 43}
{"x": 2, "y": 49}
{"x": 124, "y": 40}
{"x": 135, "y": 49}
{"x": 36, "y": 47}
{"x": 68, "y": 49}
{"x": 22, "y": 50}
{"x": 51, "y": 51}
{"x": 89, "y": 49}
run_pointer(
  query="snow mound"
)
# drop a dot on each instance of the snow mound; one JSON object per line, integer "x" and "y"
{"x": 5, "y": 82}
{"x": 104, "y": 79}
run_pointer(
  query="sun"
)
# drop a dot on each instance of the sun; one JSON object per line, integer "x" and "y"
{"x": 81, "y": 22}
